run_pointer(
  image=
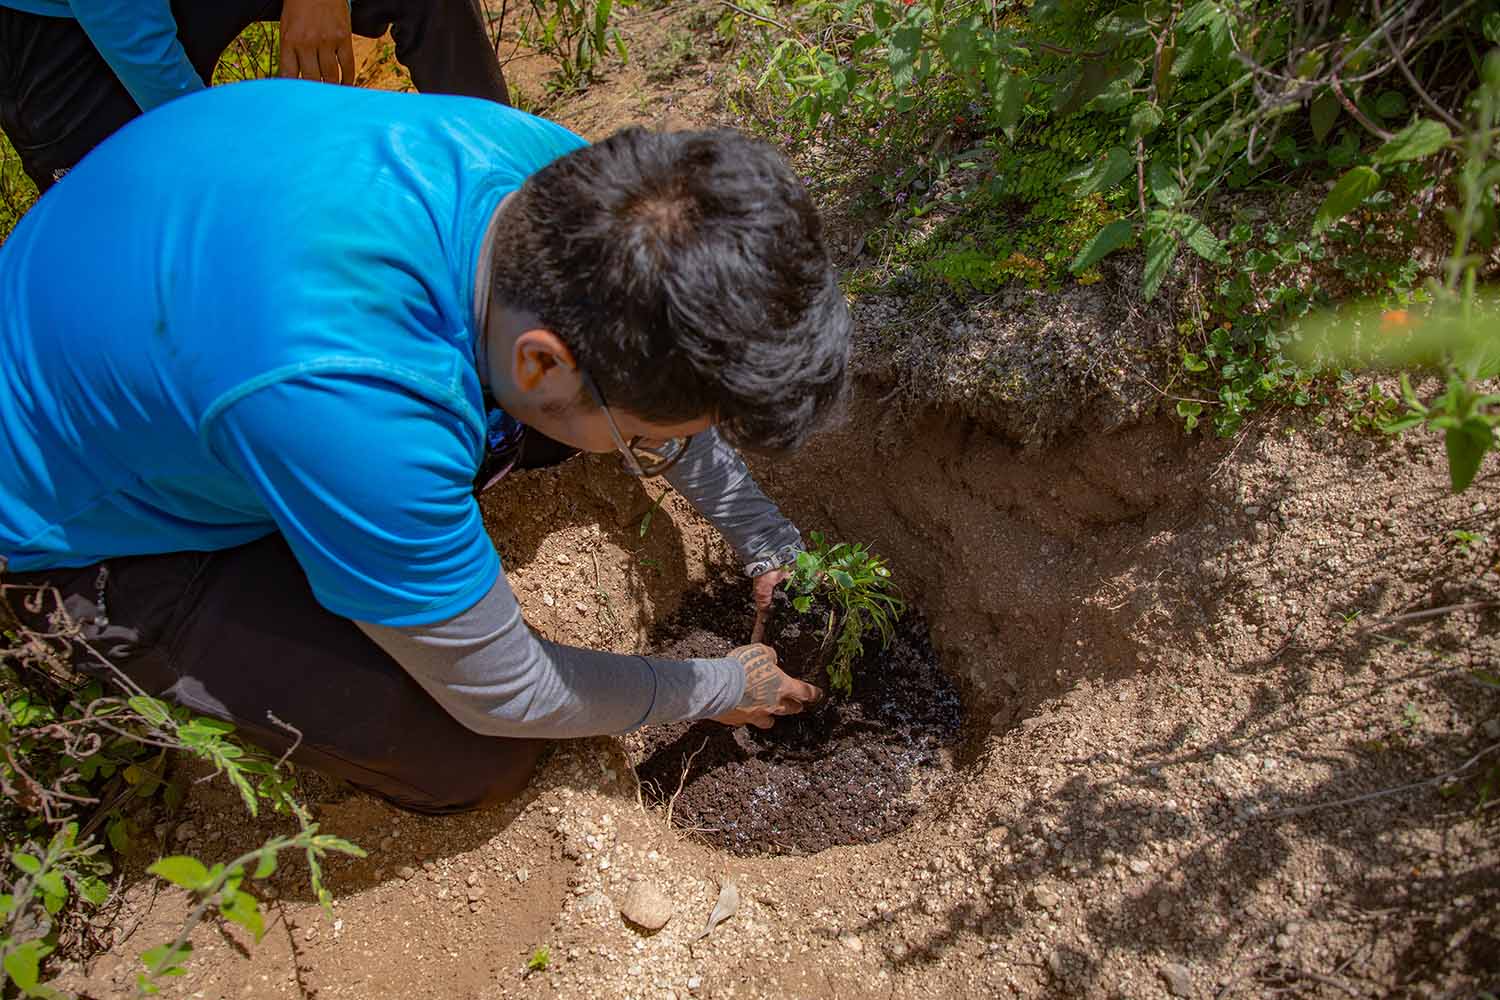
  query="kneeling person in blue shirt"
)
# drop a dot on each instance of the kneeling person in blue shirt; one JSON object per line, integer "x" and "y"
{"x": 246, "y": 399}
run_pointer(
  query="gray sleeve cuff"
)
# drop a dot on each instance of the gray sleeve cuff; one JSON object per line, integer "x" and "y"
{"x": 713, "y": 477}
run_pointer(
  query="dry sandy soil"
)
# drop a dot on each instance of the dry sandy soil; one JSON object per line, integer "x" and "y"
{"x": 1216, "y": 747}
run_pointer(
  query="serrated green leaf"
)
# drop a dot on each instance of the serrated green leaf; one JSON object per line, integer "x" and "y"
{"x": 1323, "y": 113}
{"x": 181, "y": 870}
{"x": 329, "y": 842}
{"x": 1112, "y": 237}
{"x": 150, "y": 709}
{"x": 241, "y": 909}
{"x": 1202, "y": 240}
{"x": 1161, "y": 250}
{"x": 1352, "y": 188}
{"x": 93, "y": 890}
{"x": 1146, "y": 119}
{"x": 1105, "y": 173}
{"x": 1010, "y": 100}
{"x": 28, "y": 863}
{"x": 1422, "y": 138}
{"x": 1162, "y": 183}
{"x": 906, "y": 41}
{"x": 54, "y": 890}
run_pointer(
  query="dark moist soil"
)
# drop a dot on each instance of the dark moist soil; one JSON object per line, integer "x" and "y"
{"x": 852, "y": 771}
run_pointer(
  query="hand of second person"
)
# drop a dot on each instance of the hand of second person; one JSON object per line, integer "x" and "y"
{"x": 769, "y": 691}
{"x": 765, "y": 587}
{"x": 317, "y": 42}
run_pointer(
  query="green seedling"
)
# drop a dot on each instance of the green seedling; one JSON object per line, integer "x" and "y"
{"x": 863, "y": 601}
{"x": 540, "y": 959}
{"x": 1465, "y": 540}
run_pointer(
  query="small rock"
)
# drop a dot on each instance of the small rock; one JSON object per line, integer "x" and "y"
{"x": 185, "y": 832}
{"x": 522, "y": 875}
{"x": 476, "y": 893}
{"x": 564, "y": 559}
{"x": 580, "y": 607}
{"x": 406, "y": 873}
{"x": 1164, "y": 908}
{"x": 694, "y": 983}
{"x": 548, "y": 599}
{"x": 646, "y": 907}
{"x": 1284, "y": 942}
{"x": 1179, "y": 981}
{"x": 851, "y": 941}
{"x": 1045, "y": 898}
{"x": 1139, "y": 866}
{"x": 428, "y": 866}
{"x": 604, "y": 864}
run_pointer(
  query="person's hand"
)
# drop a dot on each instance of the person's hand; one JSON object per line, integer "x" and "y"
{"x": 765, "y": 587}
{"x": 317, "y": 42}
{"x": 768, "y": 691}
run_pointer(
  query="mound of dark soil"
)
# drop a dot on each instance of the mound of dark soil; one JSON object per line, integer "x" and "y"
{"x": 852, "y": 771}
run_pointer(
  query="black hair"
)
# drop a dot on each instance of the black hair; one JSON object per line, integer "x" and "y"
{"x": 686, "y": 272}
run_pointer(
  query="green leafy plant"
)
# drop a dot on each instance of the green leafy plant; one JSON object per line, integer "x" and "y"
{"x": 1456, "y": 331}
{"x": 75, "y": 752}
{"x": 540, "y": 960}
{"x": 856, "y": 584}
{"x": 53, "y": 875}
{"x": 219, "y": 889}
{"x": 577, "y": 35}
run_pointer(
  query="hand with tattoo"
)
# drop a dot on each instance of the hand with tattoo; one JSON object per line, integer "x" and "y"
{"x": 768, "y": 691}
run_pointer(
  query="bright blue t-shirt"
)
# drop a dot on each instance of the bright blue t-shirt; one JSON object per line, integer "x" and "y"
{"x": 252, "y": 310}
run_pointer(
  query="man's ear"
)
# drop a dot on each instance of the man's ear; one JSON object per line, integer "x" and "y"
{"x": 537, "y": 353}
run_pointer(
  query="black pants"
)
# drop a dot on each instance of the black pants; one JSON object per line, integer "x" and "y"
{"x": 59, "y": 98}
{"x": 238, "y": 635}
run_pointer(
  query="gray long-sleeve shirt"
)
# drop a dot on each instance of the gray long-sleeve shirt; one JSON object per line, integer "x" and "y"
{"x": 495, "y": 676}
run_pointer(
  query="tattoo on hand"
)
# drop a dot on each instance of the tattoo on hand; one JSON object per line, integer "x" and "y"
{"x": 762, "y": 678}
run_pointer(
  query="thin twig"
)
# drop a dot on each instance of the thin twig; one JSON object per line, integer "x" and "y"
{"x": 1411, "y": 79}
{"x": 759, "y": 17}
{"x": 686, "y": 767}
{"x": 1352, "y": 800}
{"x": 296, "y": 733}
{"x": 1412, "y": 616}
{"x": 1359, "y": 116}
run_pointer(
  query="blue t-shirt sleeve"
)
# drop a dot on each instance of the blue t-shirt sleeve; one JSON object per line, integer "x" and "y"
{"x": 372, "y": 487}
{"x": 139, "y": 41}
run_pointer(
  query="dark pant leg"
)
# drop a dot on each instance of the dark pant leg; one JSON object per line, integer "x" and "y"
{"x": 58, "y": 97}
{"x": 238, "y": 635}
{"x": 444, "y": 44}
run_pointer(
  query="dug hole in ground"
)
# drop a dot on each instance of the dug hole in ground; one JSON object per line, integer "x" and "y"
{"x": 1167, "y": 734}
{"x": 1167, "y": 698}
